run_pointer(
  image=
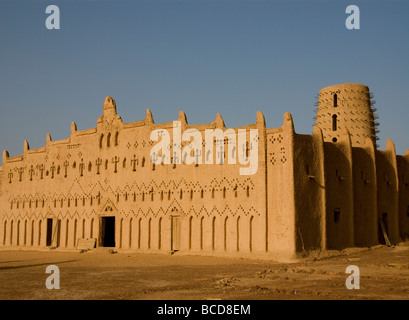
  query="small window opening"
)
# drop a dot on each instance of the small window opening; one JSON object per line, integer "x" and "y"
{"x": 334, "y": 122}
{"x": 337, "y": 215}
{"x": 100, "y": 140}
{"x": 109, "y": 140}
{"x": 116, "y": 138}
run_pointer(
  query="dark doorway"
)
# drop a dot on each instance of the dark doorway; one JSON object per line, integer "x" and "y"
{"x": 49, "y": 232}
{"x": 107, "y": 232}
{"x": 383, "y": 230}
{"x": 175, "y": 233}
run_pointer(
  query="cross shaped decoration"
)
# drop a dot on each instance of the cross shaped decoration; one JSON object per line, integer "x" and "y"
{"x": 20, "y": 173}
{"x": 175, "y": 159}
{"x": 10, "y": 175}
{"x": 220, "y": 154}
{"x": 115, "y": 160}
{"x": 154, "y": 158}
{"x": 81, "y": 167}
{"x": 198, "y": 154}
{"x": 41, "y": 168}
{"x": 66, "y": 164}
{"x": 52, "y": 168}
{"x": 98, "y": 162}
{"x": 134, "y": 162}
{"x": 31, "y": 172}
{"x": 245, "y": 151}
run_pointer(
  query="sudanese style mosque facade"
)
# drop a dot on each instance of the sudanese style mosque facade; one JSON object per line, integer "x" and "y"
{"x": 331, "y": 189}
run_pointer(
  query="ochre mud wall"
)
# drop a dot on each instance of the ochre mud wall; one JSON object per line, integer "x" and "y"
{"x": 309, "y": 192}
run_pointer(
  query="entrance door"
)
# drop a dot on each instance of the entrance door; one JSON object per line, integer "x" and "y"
{"x": 383, "y": 230}
{"x": 53, "y": 232}
{"x": 107, "y": 232}
{"x": 49, "y": 232}
{"x": 175, "y": 233}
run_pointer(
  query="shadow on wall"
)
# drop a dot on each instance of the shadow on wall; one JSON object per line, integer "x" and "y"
{"x": 36, "y": 265}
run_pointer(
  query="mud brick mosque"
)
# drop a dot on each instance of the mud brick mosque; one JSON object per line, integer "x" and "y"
{"x": 331, "y": 189}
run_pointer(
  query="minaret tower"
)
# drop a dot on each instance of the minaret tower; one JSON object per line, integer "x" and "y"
{"x": 347, "y": 106}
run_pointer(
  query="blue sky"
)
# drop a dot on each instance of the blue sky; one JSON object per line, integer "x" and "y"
{"x": 203, "y": 57}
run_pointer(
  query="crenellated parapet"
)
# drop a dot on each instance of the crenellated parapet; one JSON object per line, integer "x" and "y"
{"x": 111, "y": 145}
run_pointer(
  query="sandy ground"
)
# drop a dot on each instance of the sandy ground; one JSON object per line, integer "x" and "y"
{"x": 98, "y": 274}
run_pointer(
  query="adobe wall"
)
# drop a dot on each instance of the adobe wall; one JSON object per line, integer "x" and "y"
{"x": 365, "y": 195}
{"x": 310, "y": 203}
{"x": 339, "y": 193}
{"x": 106, "y": 171}
{"x": 403, "y": 174}
{"x": 387, "y": 183}
{"x": 307, "y": 193}
{"x": 280, "y": 188}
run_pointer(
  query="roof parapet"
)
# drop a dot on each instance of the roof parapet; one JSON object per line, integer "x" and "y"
{"x": 149, "y": 118}
{"x": 6, "y": 155}
{"x": 219, "y": 122}
{"x": 288, "y": 121}
{"x": 260, "y": 120}
{"x": 26, "y": 146}
{"x": 182, "y": 118}
{"x": 48, "y": 139}
{"x": 73, "y": 128}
